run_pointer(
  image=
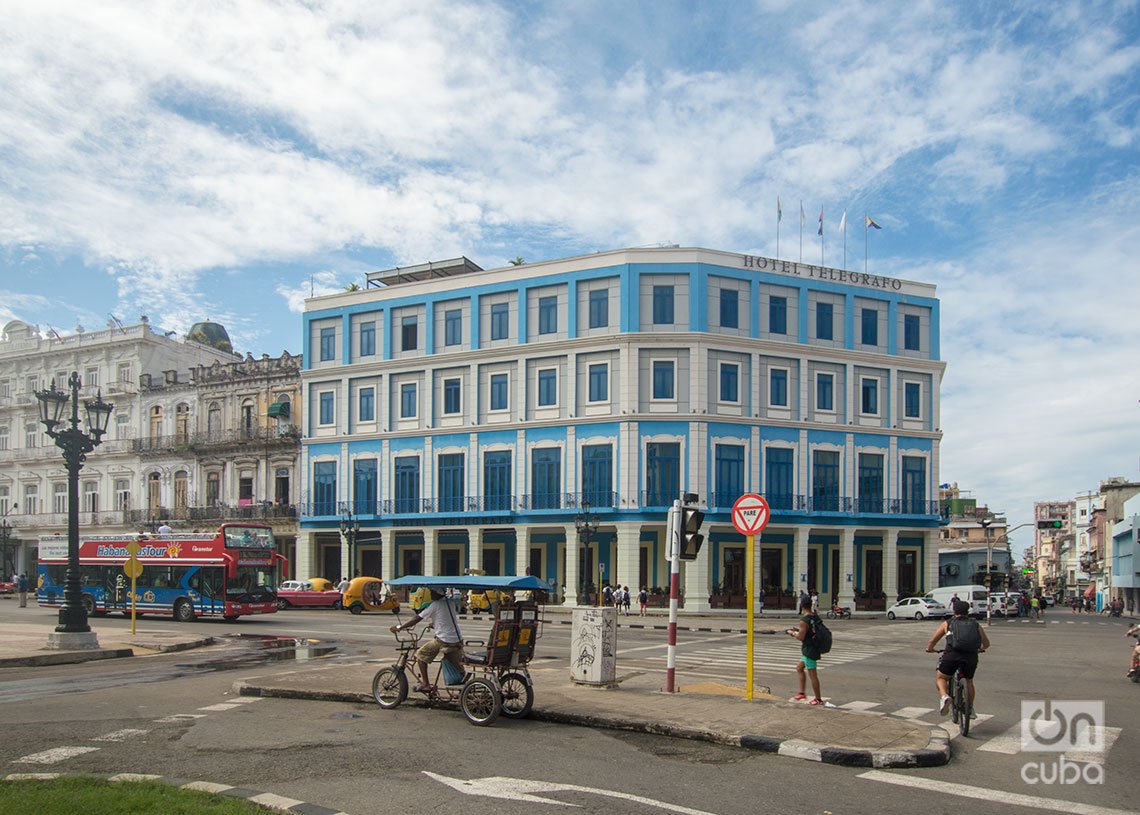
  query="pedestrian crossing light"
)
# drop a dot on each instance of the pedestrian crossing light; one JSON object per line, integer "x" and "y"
{"x": 1054, "y": 524}
{"x": 691, "y": 537}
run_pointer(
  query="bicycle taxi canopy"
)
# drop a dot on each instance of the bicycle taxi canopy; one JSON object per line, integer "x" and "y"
{"x": 476, "y": 582}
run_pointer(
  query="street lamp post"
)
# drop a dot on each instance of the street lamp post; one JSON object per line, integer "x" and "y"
{"x": 73, "y": 631}
{"x": 587, "y": 524}
{"x": 349, "y": 527}
{"x": 7, "y": 564}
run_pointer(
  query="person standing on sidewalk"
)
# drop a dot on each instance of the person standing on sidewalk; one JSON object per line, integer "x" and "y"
{"x": 22, "y": 588}
{"x": 642, "y": 600}
{"x": 625, "y": 599}
{"x": 809, "y": 652}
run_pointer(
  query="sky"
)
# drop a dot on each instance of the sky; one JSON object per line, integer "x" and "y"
{"x": 222, "y": 160}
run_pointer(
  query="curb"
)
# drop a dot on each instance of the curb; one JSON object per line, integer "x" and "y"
{"x": 935, "y": 754}
{"x": 65, "y": 657}
{"x": 265, "y": 799}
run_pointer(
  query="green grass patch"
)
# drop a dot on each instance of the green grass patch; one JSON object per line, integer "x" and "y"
{"x": 72, "y": 794}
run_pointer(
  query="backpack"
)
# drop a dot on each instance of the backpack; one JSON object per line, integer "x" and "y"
{"x": 821, "y": 635}
{"x": 962, "y": 634}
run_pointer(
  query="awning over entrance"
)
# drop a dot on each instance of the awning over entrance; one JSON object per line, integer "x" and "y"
{"x": 280, "y": 409}
{"x": 1090, "y": 592}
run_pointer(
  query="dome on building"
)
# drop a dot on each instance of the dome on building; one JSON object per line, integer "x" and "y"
{"x": 211, "y": 334}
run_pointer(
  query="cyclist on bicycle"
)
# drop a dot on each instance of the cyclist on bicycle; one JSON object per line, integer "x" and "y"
{"x": 447, "y": 639}
{"x": 964, "y": 640}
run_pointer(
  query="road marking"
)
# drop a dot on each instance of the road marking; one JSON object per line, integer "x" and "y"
{"x": 912, "y": 712}
{"x": 1104, "y": 735}
{"x": 243, "y": 700}
{"x": 181, "y": 717}
{"x": 1009, "y": 743}
{"x": 206, "y": 786}
{"x": 220, "y": 706}
{"x": 272, "y": 801}
{"x": 120, "y": 735}
{"x": 953, "y": 731}
{"x": 983, "y": 794}
{"x": 523, "y": 789}
{"x": 861, "y": 706}
{"x": 54, "y": 755}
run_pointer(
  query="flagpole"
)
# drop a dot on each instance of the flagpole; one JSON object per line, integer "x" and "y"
{"x": 779, "y": 217}
{"x": 866, "y": 229}
{"x": 821, "y": 263}
{"x": 845, "y": 239}
{"x": 801, "y": 230}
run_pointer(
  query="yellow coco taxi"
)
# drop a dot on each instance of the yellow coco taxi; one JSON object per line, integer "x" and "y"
{"x": 369, "y": 594}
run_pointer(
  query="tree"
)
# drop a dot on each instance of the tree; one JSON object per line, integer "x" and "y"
{"x": 518, "y": 261}
{"x": 352, "y": 287}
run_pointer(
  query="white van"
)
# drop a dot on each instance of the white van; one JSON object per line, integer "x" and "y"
{"x": 973, "y": 594}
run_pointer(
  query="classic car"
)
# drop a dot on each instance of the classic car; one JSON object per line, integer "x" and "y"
{"x": 312, "y": 593}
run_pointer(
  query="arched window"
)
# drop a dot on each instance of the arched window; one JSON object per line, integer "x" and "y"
{"x": 181, "y": 489}
{"x": 247, "y": 417}
{"x": 156, "y": 422}
{"x": 214, "y": 420}
{"x": 153, "y": 492}
{"x": 182, "y": 422}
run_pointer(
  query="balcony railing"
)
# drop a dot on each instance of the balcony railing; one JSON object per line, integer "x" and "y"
{"x": 509, "y": 504}
{"x": 261, "y": 511}
{"x": 219, "y": 438}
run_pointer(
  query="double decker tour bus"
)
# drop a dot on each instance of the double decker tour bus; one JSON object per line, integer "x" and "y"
{"x": 227, "y": 573}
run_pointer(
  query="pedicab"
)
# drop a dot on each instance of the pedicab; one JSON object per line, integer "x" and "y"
{"x": 369, "y": 594}
{"x": 491, "y": 677}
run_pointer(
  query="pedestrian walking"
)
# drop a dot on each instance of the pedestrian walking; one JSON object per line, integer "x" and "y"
{"x": 342, "y": 586}
{"x": 625, "y": 599}
{"x": 815, "y": 603}
{"x": 607, "y": 595}
{"x": 760, "y": 602}
{"x": 22, "y": 588}
{"x": 642, "y": 600}
{"x": 809, "y": 653}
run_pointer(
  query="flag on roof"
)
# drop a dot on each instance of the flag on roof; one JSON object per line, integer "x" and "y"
{"x": 871, "y": 224}
{"x": 820, "y": 232}
{"x": 803, "y": 215}
{"x": 843, "y": 222}
{"x": 779, "y": 211}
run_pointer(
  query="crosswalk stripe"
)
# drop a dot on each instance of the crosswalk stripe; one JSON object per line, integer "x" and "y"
{"x": 954, "y": 732}
{"x": 1106, "y": 736}
{"x": 858, "y": 705}
{"x": 54, "y": 755}
{"x": 120, "y": 735}
{"x": 912, "y": 712}
{"x": 219, "y": 707}
{"x": 1008, "y": 742}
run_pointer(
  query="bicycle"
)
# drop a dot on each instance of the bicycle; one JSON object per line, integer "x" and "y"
{"x": 478, "y": 697}
{"x": 959, "y": 700}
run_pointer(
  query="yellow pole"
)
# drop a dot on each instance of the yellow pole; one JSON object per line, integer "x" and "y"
{"x": 133, "y": 578}
{"x": 750, "y": 582}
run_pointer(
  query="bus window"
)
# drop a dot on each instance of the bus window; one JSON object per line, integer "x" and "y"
{"x": 252, "y": 584}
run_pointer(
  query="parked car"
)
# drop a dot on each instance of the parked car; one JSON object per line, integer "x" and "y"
{"x": 7, "y": 587}
{"x": 312, "y": 593}
{"x": 971, "y": 593}
{"x": 370, "y": 594}
{"x": 917, "y": 608}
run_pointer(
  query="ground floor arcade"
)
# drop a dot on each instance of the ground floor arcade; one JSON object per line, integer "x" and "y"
{"x": 862, "y": 567}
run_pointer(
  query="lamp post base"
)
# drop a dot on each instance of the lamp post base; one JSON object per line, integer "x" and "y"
{"x": 72, "y": 641}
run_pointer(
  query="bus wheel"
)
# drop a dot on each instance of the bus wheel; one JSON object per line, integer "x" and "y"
{"x": 184, "y": 611}
{"x": 230, "y": 618}
{"x": 89, "y": 605}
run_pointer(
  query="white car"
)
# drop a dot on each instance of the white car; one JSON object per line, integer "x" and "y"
{"x": 917, "y": 608}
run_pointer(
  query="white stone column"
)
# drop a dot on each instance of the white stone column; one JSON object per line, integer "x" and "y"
{"x": 570, "y": 587}
{"x": 474, "y": 547}
{"x": 431, "y": 550}
{"x": 388, "y": 554}
{"x": 628, "y": 559}
{"x": 345, "y": 563}
{"x": 799, "y": 558}
{"x": 306, "y": 555}
{"x": 522, "y": 548}
{"x": 930, "y": 559}
{"x": 847, "y": 567}
{"x": 891, "y": 565}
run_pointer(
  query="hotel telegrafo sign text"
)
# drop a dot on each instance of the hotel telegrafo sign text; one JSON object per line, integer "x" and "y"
{"x": 821, "y": 273}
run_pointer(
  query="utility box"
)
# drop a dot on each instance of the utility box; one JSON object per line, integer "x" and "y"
{"x": 593, "y": 646}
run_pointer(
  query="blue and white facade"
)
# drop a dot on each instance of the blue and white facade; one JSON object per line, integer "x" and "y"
{"x": 463, "y": 416}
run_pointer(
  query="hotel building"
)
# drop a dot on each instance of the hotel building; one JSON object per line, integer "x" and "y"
{"x": 465, "y": 417}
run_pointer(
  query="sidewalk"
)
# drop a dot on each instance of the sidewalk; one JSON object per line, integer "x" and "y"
{"x": 708, "y": 711}
{"x": 24, "y": 644}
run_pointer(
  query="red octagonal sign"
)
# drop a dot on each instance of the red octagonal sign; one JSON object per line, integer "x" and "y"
{"x": 750, "y": 514}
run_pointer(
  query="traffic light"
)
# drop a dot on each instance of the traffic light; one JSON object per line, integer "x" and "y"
{"x": 1054, "y": 524}
{"x": 691, "y": 537}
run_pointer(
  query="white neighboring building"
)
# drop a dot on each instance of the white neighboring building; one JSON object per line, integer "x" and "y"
{"x": 33, "y": 479}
